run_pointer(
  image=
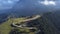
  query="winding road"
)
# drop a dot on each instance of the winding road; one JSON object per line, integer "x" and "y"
{"x": 22, "y": 26}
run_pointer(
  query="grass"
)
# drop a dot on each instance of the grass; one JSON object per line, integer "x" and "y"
{"x": 18, "y": 20}
{"x": 5, "y": 27}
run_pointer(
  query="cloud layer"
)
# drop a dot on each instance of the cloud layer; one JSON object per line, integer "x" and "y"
{"x": 31, "y": 4}
{"x": 46, "y": 2}
{"x": 7, "y": 4}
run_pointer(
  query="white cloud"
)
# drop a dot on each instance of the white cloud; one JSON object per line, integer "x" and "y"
{"x": 52, "y": 2}
{"x": 9, "y": 1}
{"x": 46, "y": 2}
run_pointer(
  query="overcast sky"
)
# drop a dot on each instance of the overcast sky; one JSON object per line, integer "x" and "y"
{"x": 8, "y": 4}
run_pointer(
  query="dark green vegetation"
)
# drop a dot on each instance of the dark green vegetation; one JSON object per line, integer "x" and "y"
{"x": 47, "y": 24}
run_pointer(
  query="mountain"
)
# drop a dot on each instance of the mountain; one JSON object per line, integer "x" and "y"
{"x": 48, "y": 23}
{"x": 8, "y": 28}
{"x": 51, "y": 22}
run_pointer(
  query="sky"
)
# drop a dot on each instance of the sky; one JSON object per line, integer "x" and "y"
{"x": 21, "y": 4}
{"x": 7, "y": 4}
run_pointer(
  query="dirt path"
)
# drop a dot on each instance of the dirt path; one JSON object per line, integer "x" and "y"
{"x": 32, "y": 18}
{"x": 21, "y": 26}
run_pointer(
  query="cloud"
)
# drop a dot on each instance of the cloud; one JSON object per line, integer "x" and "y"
{"x": 46, "y": 2}
{"x": 3, "y": 8}
{"x": 7, "y": 4}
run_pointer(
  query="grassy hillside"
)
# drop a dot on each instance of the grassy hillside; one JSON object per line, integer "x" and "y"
{"x": 5, "y": 27}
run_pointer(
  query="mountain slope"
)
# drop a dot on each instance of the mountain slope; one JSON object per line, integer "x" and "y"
{"x": 48, "y": 23}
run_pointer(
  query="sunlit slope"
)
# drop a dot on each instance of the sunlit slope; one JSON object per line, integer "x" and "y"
{"x": 5, "y": 27}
